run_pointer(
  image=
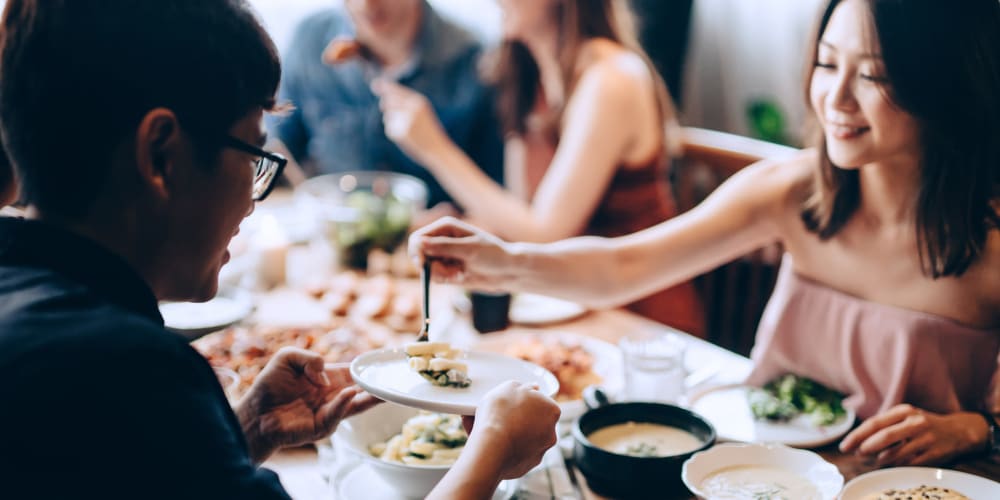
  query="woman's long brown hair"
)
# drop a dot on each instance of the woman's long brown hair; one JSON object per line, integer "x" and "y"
{"x": 516, "y": 73}
{"x": 942, "y": 62}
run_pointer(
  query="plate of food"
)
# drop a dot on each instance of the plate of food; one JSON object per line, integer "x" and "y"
{"x": 530, "y": 309}
{"x": 920, "y": 482}
{"x": 533, "y": 309}
{"x": 434, "y": 376}
{"x": 761, "y": 471}
{"x": 576, "y": 361}
{"x": 194, "y": 319}
{"x": 790, "y": 410}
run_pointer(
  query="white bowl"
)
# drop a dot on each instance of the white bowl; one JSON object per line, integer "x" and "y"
{"x": 806, "y": 464}
{"x": 911, "y": 477}
{"x": 377, "y": 425}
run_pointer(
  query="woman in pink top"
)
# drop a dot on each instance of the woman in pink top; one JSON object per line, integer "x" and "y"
{"x": 891, "y": 287}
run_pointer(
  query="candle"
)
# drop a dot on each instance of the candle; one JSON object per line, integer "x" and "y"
{"x": 272, "y": 245}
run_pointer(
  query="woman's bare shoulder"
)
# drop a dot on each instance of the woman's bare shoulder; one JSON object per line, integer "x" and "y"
{"x": 603, "y": 56}
{"x": 791, "y": 177}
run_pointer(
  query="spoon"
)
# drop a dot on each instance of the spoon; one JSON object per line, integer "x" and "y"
{"x": 425, "y": 277}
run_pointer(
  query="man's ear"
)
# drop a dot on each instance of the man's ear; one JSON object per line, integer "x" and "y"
{"x": 158, "y": 147}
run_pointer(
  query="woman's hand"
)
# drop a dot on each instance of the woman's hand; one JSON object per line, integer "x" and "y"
{"x": 409, "y": 121}
{"x": 297, "y": 400}
{"x": 463, "y": 254}
{"x": 905, "y": 435}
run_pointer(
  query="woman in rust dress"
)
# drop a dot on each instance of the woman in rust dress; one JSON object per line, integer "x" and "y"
{"x": 590, "y": 130}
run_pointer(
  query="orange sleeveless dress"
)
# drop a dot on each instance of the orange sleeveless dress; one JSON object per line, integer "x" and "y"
{"x": 637, "y": 198}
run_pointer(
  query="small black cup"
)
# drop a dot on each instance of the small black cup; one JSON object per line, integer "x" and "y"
{"x": 490, "y": 311}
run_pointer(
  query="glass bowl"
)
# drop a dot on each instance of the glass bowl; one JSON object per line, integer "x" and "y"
{"x": 363, "y": 211}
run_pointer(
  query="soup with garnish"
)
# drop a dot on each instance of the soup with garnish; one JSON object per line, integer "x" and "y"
{"x": 644, "y": 440}
{"x": 753, "y": 482}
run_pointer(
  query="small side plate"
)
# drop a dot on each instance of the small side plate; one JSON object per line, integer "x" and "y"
{"x": 195, "y": 319}
{"x": 726, "y": 407}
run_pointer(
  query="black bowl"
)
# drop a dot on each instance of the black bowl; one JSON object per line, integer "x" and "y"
{"x": 624, "y": 476}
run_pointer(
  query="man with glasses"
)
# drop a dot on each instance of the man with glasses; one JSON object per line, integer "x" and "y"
{"x": 135, "y": 130}
{"x": 267, "y": 168}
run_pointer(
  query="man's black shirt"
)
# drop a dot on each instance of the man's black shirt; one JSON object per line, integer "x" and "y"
{"x": 97, "y": 399}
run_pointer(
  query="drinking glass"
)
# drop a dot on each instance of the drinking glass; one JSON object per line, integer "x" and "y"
{"x": 654, "y": 367}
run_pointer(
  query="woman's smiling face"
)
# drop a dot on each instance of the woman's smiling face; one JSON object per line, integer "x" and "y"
{"x": 849, "y": 93}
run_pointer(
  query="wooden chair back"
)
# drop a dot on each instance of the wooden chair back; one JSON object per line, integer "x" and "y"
{"x": 734, "y": 295}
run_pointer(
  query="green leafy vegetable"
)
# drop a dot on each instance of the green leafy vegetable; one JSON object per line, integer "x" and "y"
{"x": 382, "y": 223}
{"x": 786, "y": 397}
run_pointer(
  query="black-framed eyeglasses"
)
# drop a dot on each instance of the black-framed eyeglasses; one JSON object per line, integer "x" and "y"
{"x": 269, "y": 166}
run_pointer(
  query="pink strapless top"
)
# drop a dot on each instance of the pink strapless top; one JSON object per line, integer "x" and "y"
{"x": 879, "y": 355}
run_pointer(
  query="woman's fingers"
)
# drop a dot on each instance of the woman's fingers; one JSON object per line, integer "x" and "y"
{"x": 443, "y": 227}
{"x": 450, "y": 248}
{"x": 905, "y": 451}
{"x": 874, "y": 424}
{"x": 887, "y": 437}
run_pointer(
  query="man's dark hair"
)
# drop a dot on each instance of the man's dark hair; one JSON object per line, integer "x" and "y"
{"x": 77, "y": 77}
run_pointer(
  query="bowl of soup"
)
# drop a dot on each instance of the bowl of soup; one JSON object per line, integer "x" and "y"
{"x": 635, "y": 450}
{"x": 735, "y": 471}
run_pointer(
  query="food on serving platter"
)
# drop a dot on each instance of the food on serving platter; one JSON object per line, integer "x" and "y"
{"x": 426, "y": 439}
{"x": 436, "y": 362}
{"x": 922, "y": 492}
{"x": 342, "y": 49}
{"x": 567, "y": 360}
{"x": 390, "y": 301}
{"x": 755, "y": 482}
{"x": 644, "y": 440}
{"x": 788, "y": 396}
{"x": 246, "y": 350}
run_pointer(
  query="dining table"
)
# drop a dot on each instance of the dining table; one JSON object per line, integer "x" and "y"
{"x": 309, "y": 473}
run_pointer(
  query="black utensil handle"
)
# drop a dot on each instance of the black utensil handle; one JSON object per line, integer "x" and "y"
{"x": 594, "y": 397}
{"x": 426, "y": 277}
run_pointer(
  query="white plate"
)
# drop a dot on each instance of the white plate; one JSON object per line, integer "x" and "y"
{"x": 529, "y": 309}
{"x": 805, "y": 464}
{"x": 729, "y": 412}
{"x": 974, "y": 487}
{"x": 386, "y": 373}
{"x": 533, "y": 309}
{"x": 357, "y": 481}
{"x": 607, "y": 361}
{"x": 198, "y": 318}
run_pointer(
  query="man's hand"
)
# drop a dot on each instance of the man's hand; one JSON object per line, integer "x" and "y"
{"x": 515, "y": 424}
{"x": 513, "y": 428}
{"x": 297, "y": 400}
{"x": 905, "y": 435}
